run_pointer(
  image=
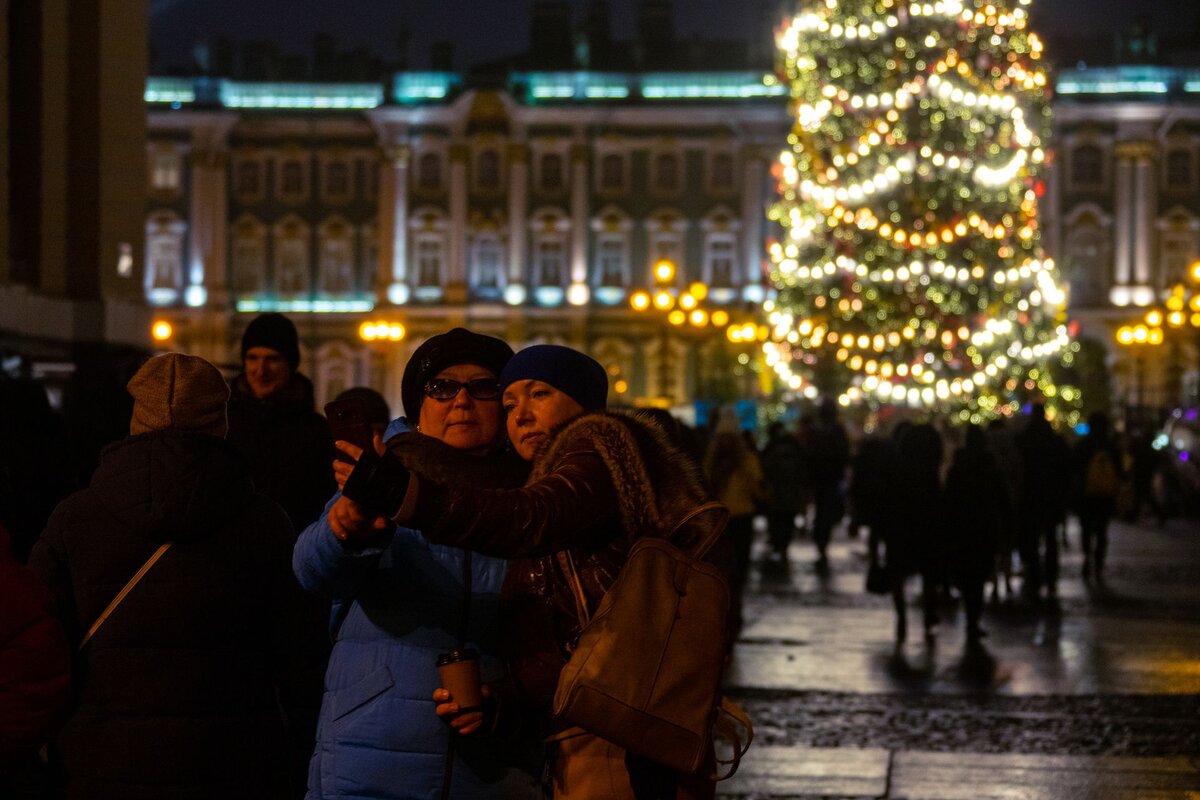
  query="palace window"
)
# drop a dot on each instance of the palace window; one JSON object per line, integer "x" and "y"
{"x": 1179, "y": 170}
{"x": 430, "y": 249}
{"x": 612, "y": 260}
{"x": 291, "y": 258}
{"x": 337, "y": 181}
{"x": 292, "y": 180}
{"x": 488, "y": 176}
{"x": 666, "y": 173}
{"x": 612, "y": 173}
{"x": 550, "y": 262}
{"x": 247, "y": 182}
{"x": 166, "y": 170}
{"x": 720, "y": 263}
{"x": 336, "y": 259}
{"x": 249, "y": 256}
{"x": 721, "y": 172}
{"x": 429, "y": 172}
{"x": 487, "y": 262}
{"x": 1087, "y": 166}
{"x": 551, "y": 172}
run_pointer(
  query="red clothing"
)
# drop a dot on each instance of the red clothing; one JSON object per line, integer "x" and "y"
{"x": 35, "y": 661}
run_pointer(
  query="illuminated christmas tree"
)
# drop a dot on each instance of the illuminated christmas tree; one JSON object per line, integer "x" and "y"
{"x": 910, "y": 270}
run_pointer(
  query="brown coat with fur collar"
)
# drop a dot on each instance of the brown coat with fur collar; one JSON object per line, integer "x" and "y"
{"x": 599, "y": 483}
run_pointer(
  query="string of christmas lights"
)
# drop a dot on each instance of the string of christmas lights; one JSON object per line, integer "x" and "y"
{"x": 910, "y": 270}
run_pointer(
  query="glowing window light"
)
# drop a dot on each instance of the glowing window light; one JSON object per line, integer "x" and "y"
{"x": 317, "y": 96}
{"x": 306, "y": 306}
{"x": 708, "y": 85}
{"x": 170, "y": 90}
{"x": 410, "y": 87}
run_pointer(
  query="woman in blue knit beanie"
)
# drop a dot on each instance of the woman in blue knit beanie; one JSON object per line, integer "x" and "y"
{"x": 599, "y": 481}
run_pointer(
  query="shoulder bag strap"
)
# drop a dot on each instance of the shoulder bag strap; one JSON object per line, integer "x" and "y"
{"x": 568, "y": 567}
{"x": 734, "y": 726}
{"x": 116, "y": 601}
{"x": 714, "y": 532}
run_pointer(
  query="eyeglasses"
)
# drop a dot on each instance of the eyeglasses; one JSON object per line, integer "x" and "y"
{"x": 448, "y": 388}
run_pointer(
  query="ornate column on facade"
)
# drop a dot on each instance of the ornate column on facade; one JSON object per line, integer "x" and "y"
{"x": 456, "y": 277}
{"x": 392, "y": 285}
{"x": 1146, "y": 191}
{"x": 205, "y": 278}
{"x": 578, "y": 293}
{"x": 1137, "y": 207}
{"x": 518, "y": 198}
{"x": 755, "y": 170}
{"x": 1123, "y": 229}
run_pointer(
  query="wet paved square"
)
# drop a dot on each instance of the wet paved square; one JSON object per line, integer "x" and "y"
{"x": 1070, "y": 701}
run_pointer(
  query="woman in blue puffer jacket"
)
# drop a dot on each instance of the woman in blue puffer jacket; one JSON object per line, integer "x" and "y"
{"x": 398, "y": 602}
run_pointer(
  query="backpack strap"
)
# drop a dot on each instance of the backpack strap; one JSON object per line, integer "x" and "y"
{"x": 731, "y": 721}
{"x": 116, "y": 601}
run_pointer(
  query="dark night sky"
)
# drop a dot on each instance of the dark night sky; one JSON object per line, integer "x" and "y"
{"x": 483, "y": 30}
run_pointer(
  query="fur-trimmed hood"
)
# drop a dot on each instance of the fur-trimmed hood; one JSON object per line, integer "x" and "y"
{"x": 657, "y": 484}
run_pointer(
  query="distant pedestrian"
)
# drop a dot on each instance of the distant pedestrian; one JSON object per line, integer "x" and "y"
{"x": 1003, "y": 447}
{"x": 871, "y": 491}
{"x": 179, "y": 690}
{"x": 273, "y": 424}
{"x": 786, "y": 472}
{"x": 736, "y": 477}
{"x": 1045, "y": 461}
{"x": 829, "y": 450}
{"x": 977, "y": 511}
{"x": 1097, "y": 473}
{"x": 914, "y": 537}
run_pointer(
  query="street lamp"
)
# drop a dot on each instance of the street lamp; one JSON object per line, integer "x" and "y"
{"x": 1137, "y": 338}
{"x": 683, "y": 310}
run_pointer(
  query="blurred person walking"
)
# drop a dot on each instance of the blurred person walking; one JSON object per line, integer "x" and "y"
{"x": 736, "y": 478}
{"x": 786, "y": 472}
{"x": 977, "y": 510}
{"x": 170, "y": 573}
{"x": 1097, "y": 474}
{"x": 829, "y": 455}
{"x": 1002, "y": 446}
{"x": 1045, "y": 486}
{"x": 915, "y": 538}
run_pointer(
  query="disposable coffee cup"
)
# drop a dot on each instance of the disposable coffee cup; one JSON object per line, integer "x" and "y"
{"x": 459, "y": 670}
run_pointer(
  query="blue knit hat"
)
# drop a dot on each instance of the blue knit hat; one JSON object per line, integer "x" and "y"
{"x": 578, "y": 375}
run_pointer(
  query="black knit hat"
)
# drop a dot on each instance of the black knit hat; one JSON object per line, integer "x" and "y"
{"x": 570, "y": 371}
{"x": 456, "y": 346}
{"x": 276, "y": 332}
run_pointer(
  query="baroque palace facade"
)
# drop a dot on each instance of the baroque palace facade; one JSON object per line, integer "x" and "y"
{"x": 530, "y": 211}
{"x": 1122, "y": 213}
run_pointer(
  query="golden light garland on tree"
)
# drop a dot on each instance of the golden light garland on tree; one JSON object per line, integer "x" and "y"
{"x": 911, "y": 270}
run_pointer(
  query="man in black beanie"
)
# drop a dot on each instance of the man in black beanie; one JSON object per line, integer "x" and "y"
{"x": 273, "y": 424}
{"x": 290, "y": 452}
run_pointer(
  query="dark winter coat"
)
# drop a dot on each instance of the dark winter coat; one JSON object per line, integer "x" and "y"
{"x": 1085, "y": 450}
{"x": 785, "y": 469}
{"x": 35, "y": 662}
{"x": 977, "y": 513}
{"x": 915, "y": 535}
{"x": 398, "y": 604}
{"x": 176, "y": 693}
{"x": 287, "y": 445}
{"x": 601, "y": 482}
{"x": 1045, "y": 464}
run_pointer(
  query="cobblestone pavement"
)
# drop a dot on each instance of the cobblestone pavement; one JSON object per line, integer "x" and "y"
{"x": 1096, "y": 696}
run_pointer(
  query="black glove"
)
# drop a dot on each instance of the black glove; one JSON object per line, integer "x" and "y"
{"x": 378, "y": 483}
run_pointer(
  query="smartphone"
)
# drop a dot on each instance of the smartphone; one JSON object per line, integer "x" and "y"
{"x": 348, "y": 422}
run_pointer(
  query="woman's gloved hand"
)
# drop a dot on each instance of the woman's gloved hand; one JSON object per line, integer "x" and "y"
{"x": 377, "y": 484}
